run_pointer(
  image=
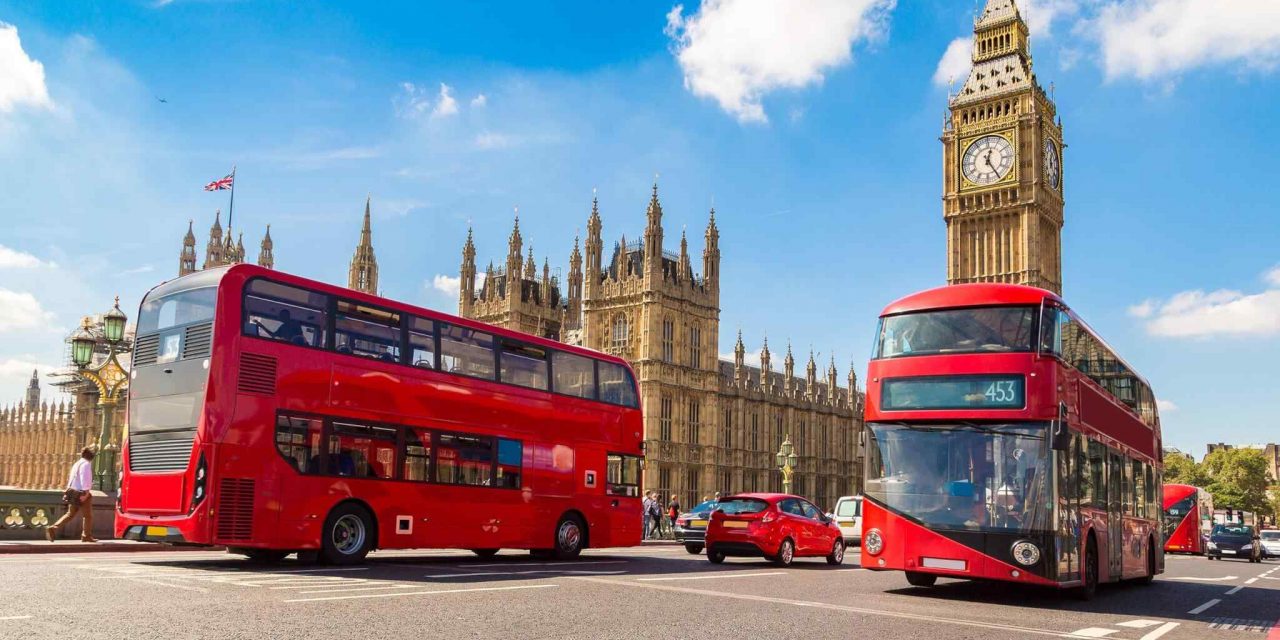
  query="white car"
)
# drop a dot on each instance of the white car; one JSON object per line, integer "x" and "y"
{"x": 1271, "y": 544}
{"x": 848, "y": 515}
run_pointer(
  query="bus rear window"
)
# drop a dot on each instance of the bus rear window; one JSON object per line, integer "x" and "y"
{"x": 177, "y": 309}
{"x": 977, "y": 330}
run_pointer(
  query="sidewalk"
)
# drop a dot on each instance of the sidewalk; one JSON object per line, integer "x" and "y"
{"x": 104, "y": 546}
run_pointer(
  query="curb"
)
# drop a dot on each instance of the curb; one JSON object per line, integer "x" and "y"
{"x": 659, "y": 543}
{"x": 89, "y": 547}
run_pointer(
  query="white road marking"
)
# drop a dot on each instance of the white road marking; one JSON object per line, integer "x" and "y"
{"x": 1204, "y": 607}
{"x": 391, "y": 586}
{"x": 1234, "y": 591}
{"x": 1251, "y": 581}
{"x": 1091, "y": 632}
{"x": 171, "y": 586}
{"x": 15, "y": 617}
{"x": 832, "y": 607}
{"x": 1138, "y": 624}
{"x": 479, "y": 574}
{"x": 713, "y": 577}
{"x": 401, "y": 594}
{"x": 542, "y": 564}
{"x": 1163, "y": 629}
{"x": 1191, "y": 579}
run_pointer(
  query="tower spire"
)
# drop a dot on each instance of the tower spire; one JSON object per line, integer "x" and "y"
{"x": 363, "y": 274}
{"x": 467, "y": 288}
{"x": 266, "y": 251}
{"x": 33, "y": 390}
{"x": 187, "y": 259}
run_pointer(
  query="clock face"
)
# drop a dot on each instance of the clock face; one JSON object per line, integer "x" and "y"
{"x": 987, "y": 160}
{"x": 1052, "y": 166}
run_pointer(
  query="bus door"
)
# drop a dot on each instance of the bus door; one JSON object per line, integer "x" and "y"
{"x": 1115, "y": 515}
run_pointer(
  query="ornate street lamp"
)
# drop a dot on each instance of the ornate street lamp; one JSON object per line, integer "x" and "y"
{"x": 109, "y": 377}
{"x": 787, "y": 461}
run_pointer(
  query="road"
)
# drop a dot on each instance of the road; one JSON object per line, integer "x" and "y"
{"x": 648, "y": 592}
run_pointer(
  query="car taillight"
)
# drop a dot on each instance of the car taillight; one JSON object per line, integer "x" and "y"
{"x": 683, "y": 522}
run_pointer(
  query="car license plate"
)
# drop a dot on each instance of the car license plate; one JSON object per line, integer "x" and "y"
{"x": 848, "y": 527}
{"x": 698, "y": 523}
{"x": 944, "y": 563}
{"x": 1229, "y": 551}
{"x": 734, "y": 524}
{"x": 158, "y": 531}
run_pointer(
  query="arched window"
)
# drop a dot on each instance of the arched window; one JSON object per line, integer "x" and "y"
{"x": 620, "y": 332}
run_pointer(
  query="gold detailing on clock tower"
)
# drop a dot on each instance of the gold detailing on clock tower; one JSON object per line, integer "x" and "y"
{"x": 1002, "y": 163}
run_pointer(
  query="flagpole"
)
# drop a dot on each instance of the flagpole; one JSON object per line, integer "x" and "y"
{"x": 231, "y": 210}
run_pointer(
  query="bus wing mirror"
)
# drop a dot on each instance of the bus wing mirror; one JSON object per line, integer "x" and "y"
{"x": 1060, "y": 432}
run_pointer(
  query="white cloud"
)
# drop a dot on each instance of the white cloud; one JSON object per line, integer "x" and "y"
{"x": 21, "y": 78}
{"x": 446, "y": 105}
{"x": 15, "y": 374}
{"x": 955, "y": 63}
{"x": 448, "y": 285}
{"x": 492, "y": 140}
{"x": 1192, "y": 314}
{"x": 1166, "y": 406}
{"x": 21, "y": 310}
{"x": 479, "y": 101}
{"x": 1041, "y": 14}
{"x": 14, "y": 259}
{"x": 737, "y": 51}
{"x": 1154, "y": 39}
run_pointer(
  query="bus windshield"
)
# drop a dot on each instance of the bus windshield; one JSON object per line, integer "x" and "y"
{"x": 976, "y": 330}
{"x": 982, "y": 477}
{"x": 1174, "y": 515}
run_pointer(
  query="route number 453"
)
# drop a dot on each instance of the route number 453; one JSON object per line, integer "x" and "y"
{"x": 1002, "y": 392}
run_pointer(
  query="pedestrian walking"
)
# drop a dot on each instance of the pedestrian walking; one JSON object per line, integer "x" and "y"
{"x": 655, "y": 515}
{"x": 78, "y": 497}
{"x": 647, "y": 506}
{"x": 673, "y": 510}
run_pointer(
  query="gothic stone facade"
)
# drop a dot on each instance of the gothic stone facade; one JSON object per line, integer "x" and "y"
{"x": 1002, "y": 163}
{"x": 39, "y": 441}
{"x": 710, "y": 425}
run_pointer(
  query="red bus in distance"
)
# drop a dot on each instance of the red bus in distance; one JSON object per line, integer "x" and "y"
{"x": 274, "y": 414}
{"x": 1188, "y": 517}
{"x": 1006, "y": 441}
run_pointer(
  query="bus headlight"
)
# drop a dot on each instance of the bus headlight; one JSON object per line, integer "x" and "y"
{"x": 1026, "y": 553}
{"x": 873, "y": 542}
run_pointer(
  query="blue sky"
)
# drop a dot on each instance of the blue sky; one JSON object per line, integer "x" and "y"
{"x": 814, "y": 130}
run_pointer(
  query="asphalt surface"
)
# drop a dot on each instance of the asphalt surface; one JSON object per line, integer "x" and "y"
{"x": 648, "y": 592}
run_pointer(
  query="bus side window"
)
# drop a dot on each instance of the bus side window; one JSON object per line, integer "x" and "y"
{"x": 287, "y": 314}
{"x": 467, "y": 352}
{"x": 298, "y": 440}
{"x": 464, "y": 459}
{"x": 1097, "y": 475}
{"x": 523, "y": 365}
{"x": 362, "y": 451}
{"x": 367, "y": 332}
{"x": 417, "y": 455}
{"x": 422, "y": 343}
{"x": 510, "y": 459}
{"x": 616, "y": 385}
{"x": 574, "y": 375}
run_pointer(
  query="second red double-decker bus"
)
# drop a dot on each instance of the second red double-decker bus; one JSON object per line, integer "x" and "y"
{"x": 1188, "y": 517}
{"x": 273, "y": 414}
{"x": 1006, "y": 441}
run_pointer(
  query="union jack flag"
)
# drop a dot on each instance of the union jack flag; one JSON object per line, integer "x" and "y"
{"x": 221, "y": 184}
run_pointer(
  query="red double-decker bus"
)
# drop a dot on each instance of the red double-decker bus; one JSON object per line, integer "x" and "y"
{"x": 1188, "y": 517}
{"x": 274, "y": 414}
{"x": 1006, "y": 441}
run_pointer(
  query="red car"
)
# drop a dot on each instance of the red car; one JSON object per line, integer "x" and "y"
{"x": 775, "y": 526}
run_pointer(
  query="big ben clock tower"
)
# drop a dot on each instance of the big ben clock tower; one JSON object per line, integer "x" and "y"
{"x": 1002, "y": 163}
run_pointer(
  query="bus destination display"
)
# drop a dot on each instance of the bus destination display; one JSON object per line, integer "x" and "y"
{"x": 954, "y": 392}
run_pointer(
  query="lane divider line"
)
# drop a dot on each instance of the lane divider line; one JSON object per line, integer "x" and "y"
{"x": 1163, "y": 629}
{"x": 15, "y": 617}
{"x": 1204, "y": 607}
{"x": 183, "y": 587}
{"x": 713, "y": 577}
{"x": 1091, "y": 632}
{"x": 402, "y": 594}
{"x": 832, "y": 607}
{"x": 1235, "y": 590}
{"x": 542, "y": 564}
{"x": 392, "y": 586}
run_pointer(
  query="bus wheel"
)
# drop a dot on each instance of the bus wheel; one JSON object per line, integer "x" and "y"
{"x": 1090, "y": 587}
{"x": 260, "y": 556}
{"x": 570, "y": 538}
{"x": 1151, "y": 565}
{"x": 347, "y": 536}
{"x": 485, "y": 553}
{"x": 917, "y": 579}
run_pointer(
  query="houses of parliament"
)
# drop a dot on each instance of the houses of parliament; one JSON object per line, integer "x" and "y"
{"x": 711, "y": 424}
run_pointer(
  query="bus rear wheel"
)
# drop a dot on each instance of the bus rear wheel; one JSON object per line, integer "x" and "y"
{"x": 571, "y": 538}
{"x": 347, "y": 536}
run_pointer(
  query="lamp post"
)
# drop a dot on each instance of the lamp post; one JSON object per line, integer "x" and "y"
{"x": 787, "y": 460}
{"x": 109, "y": 377}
